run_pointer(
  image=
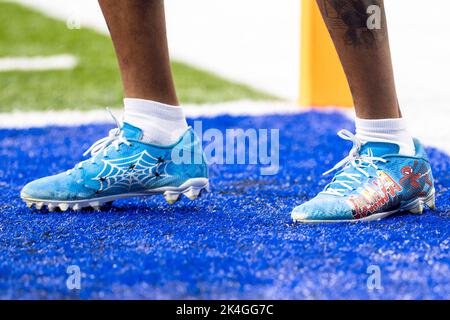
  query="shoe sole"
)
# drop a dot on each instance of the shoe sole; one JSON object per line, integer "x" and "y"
{"x": 192, "y": 189}
{"x": 415, "y": 206}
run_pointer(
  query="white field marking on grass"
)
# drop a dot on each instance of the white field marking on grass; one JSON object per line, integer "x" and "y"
{"x": 38, "y": 63}
{"x": 430, "y": 127}
{"x": 258, "y": 44}
{"x": 33, "y": 119}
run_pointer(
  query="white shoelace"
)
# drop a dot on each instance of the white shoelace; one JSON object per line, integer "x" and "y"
{"x": 360, "y": 162}
{"x": 114, "y": 138}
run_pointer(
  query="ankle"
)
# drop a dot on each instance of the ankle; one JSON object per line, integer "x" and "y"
{"x": 161, "y": 124}
{"x": 386, "y": 130}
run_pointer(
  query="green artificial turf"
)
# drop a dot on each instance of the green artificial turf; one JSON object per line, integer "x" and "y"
{"x": 95, "y": 81}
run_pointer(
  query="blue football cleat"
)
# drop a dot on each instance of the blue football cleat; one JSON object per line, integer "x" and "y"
{"x": 121, "y": 166}
{"x": 373, "y": 182}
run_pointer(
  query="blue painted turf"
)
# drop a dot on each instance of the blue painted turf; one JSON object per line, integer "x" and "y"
{"x": 236, "y": 242}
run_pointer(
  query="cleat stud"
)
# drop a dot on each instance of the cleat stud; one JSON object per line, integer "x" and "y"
{"x": 192, "y": 194}
{"x": 171, "y": 197}
{"x": 29, "y": 204}
{"x": 76, "y": 207}
{"x": 96, "y": 205}
{"x": 418, "y": 209}
{"x": 39, "y": 205}
{"x": 51, "y": 207}
{"x": 431, "y": 203}
{"x": 64, "y": 206}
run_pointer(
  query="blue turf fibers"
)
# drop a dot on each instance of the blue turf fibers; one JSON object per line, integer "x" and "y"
{"x": 236, "y": 242}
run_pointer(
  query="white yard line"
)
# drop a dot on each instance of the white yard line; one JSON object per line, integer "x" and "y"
{"x": 31, "y": 119}
{"x": 420, "y": 123}
{"x": 38, "y": 63}
{"x": 255, "y": 42}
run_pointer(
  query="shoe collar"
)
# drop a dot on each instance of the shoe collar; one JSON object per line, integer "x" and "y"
{"x": 379, "y": 149}
{"x": 131, "y": 132}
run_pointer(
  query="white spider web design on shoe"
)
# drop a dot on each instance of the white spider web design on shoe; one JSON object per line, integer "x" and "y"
{"x": 131, "y": 172}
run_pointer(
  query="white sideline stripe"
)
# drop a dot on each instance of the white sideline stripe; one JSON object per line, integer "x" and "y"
{"x": 55, "y": 62}
{"x": 420, "y": 123}
{"x": 33, "y": 119}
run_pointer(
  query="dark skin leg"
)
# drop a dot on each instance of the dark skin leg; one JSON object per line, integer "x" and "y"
{"x": 365, "y": 55}
{"x": 138, "y": 32}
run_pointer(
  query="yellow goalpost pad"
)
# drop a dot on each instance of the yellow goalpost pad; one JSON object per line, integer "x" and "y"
{"x": 322, "y": 79}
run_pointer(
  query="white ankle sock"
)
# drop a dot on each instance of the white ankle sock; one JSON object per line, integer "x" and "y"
{"x": 386, "y": 130}
{"x": 161, "y": 124}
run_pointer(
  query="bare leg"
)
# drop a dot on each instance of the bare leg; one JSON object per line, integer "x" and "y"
{"x": 138, "y": 32}
{"x": 364, "y": 53}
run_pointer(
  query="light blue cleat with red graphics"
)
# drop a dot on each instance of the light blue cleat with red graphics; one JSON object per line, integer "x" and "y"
{"x": 373, "y": 182}
{"x": 122, "y": 166}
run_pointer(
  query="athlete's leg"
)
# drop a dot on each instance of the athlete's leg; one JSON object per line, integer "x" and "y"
{"x": 364, "y": 54}
{"x": 138, "y": 158}
{"x": 138, "y": 32}
{"x": 359, "y": 32}
{"x": 386, "y": 170}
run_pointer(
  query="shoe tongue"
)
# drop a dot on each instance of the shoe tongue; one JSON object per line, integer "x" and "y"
{"x": 379, "y": 149}
{"x": 131, "y": 132}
